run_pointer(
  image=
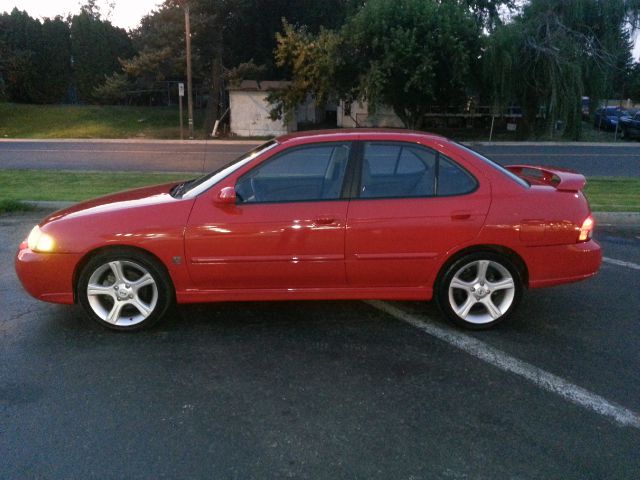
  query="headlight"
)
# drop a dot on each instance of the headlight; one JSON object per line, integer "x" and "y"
{"x": 39, "y": 241}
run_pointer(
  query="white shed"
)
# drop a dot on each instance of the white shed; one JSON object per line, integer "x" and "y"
{"x": 250, "y": 110}
{"x": 356, "y": 114}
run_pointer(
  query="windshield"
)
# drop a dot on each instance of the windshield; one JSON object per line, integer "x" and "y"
{"x": 495, "y": 165}
{"x": 194, "y": 187}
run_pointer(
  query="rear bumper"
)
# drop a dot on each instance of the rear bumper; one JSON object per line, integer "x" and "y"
{"x": 47, "y": 276}
{"x": 558, "y": 264}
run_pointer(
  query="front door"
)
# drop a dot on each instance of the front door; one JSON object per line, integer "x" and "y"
{"x": 286, "y": 230}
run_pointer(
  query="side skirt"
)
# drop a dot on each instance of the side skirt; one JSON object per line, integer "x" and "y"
{"x": 258, "y": 295}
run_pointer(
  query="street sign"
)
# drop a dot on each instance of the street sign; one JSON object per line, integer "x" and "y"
{"x": 181, "y": 89}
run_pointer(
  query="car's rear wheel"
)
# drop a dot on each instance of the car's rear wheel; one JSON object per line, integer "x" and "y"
{"x": 479, "y": 290}
{"x": 124, "y": 289}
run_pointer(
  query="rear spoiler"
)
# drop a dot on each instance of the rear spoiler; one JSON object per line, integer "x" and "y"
{"x": 562, "y": 180}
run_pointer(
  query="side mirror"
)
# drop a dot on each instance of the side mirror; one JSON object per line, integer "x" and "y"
{"x": 227, "y": 196}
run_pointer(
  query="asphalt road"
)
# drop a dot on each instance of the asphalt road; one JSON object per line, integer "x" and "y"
{"x": 322, "y": 389}
{"x": 622, "y": 160}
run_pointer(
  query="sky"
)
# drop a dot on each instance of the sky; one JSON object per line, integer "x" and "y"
{"x": 126, "y": 14}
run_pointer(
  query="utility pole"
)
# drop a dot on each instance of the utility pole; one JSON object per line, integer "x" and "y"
{"x": 187, "y": 27}
{"x": 180, "y": 97}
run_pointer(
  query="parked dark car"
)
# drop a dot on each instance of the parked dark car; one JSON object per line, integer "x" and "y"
{"x": 630, "y": 126}
{"x": 607, "y": 118}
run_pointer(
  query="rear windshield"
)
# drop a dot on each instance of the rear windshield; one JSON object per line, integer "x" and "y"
{"x": 496, "y": 166}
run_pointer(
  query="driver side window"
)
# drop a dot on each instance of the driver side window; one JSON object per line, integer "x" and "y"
{"x": 313, "y": 172}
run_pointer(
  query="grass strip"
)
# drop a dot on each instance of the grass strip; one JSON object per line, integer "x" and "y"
{"x": 92, "y": 121}
{"x": 605, "y": 194}
{"x": 75, "y": 185}
{"x": 613, "y": 194}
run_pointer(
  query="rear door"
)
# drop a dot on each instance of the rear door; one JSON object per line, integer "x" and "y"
{"x": 412, "y": 205}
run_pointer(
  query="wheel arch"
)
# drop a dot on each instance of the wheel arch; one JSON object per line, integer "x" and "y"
{"x": 109, "y": 248}
{"x": 506, "y": 252}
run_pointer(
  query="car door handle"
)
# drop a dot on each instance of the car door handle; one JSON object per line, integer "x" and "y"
{"x": 461, "y": 215}
{"x": 325, "y": 220}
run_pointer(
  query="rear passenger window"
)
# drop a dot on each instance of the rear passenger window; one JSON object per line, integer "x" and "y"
{"x": 452, "y": 179}
{"x": 398, "y": 170}
{"x": 395, "y": 170}
{"x": 381, "y": 158}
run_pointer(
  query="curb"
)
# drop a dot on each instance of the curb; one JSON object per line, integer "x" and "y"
{"x": 617, "y": 218}
{"x": 47, "y": 205}
{"x": 602, "y": 218}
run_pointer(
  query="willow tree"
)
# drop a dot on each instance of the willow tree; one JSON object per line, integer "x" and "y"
{"x": 557, "y": 51}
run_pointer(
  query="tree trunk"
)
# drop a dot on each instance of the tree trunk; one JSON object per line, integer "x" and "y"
{"x": 215, "y": 87}
{"x": 529, "y": 115}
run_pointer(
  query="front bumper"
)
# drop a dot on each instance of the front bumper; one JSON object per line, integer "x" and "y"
{"x": 47, "y": 276}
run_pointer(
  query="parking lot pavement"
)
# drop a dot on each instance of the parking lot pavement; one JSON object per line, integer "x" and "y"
{"x": 319, "y": 389}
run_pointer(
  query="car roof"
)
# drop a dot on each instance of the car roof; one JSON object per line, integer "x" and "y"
{"x": 359, "y": 133}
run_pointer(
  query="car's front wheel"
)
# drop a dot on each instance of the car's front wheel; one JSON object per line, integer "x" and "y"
{"x": 479, "y": 290}
{"x": 123, "y": 289}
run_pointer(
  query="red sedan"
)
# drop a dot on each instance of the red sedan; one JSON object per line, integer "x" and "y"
{"x": 350, "y": 214}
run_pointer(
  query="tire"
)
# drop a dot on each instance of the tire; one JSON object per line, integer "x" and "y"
{"x": 124, "y": 289}
{"x": 479, "y": 290}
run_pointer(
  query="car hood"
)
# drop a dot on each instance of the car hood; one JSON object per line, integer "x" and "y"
{"x": 139, "y": 197}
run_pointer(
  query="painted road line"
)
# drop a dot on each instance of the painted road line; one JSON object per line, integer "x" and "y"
{"x": 621, "y": 263}
{"x": 504, "y": 361}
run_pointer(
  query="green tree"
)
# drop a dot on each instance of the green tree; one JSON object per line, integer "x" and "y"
{"x": 53, "y": 60}
{"x": 488, "y": 12}
{"x": 96, "y": 48}
{"x": 113, "y": 91}
{"x": 634, "y": 83}
{"x": 315, "y": 65}
{"x": 410, "y": 55}
{"x": 159, "y": 43}
{"x": 21, "y": 36}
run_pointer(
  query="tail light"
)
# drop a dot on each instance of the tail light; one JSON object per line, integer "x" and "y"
{"x": 586, "y": 230}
